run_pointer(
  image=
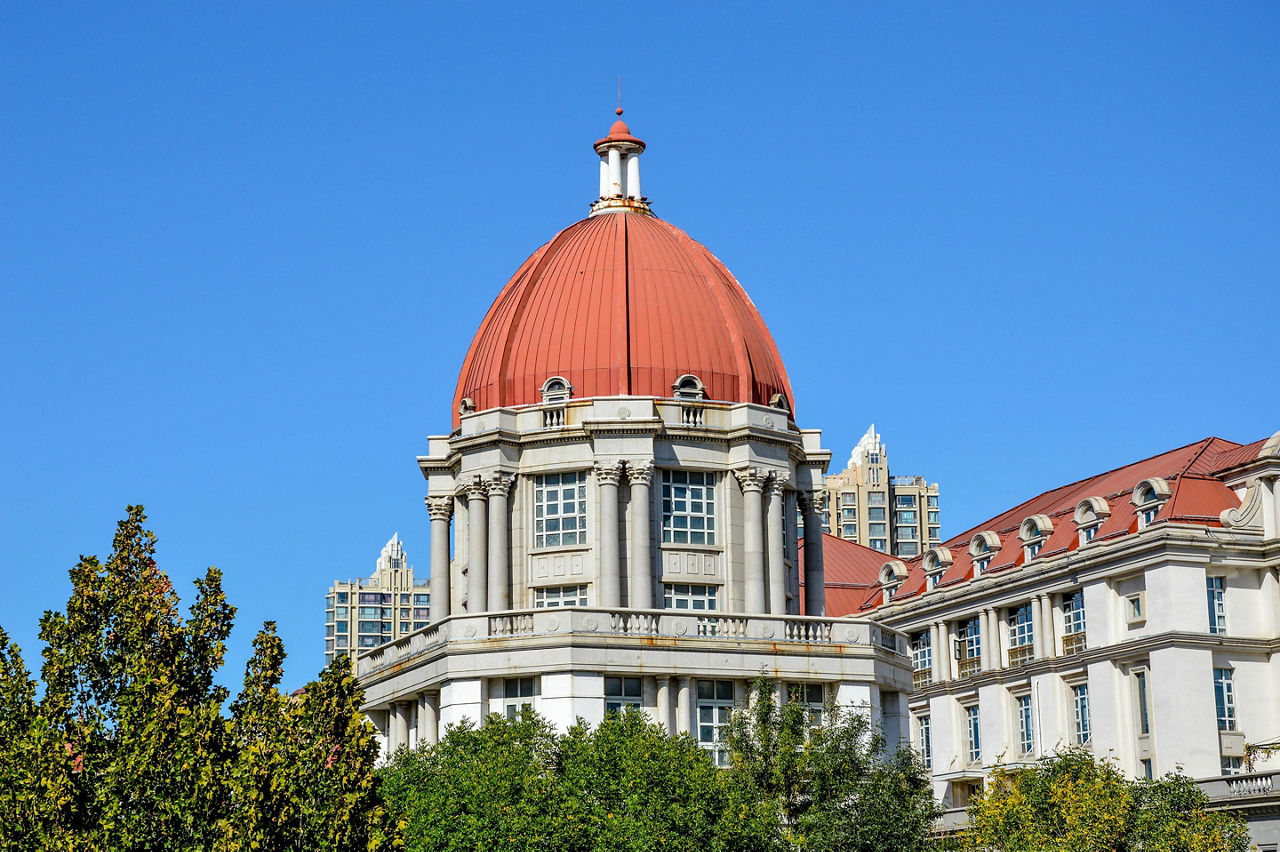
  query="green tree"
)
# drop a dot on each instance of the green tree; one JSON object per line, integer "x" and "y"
{"x": 128, "y": 748}
{"x": 834, "y": 785}
{"x": 1071, "y": 802}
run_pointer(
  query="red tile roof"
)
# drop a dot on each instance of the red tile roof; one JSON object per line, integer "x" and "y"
{"x": 851, "y": 570}
{"x": 621, "y": 304}
{"x": 1195, "y": 497}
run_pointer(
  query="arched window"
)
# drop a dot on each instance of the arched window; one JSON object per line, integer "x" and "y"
{"x": 556, "y": 389}
{"x": 982, "y": 548}
{"x": 779, "y": 401}
{"x": 892, "y": 573}
{"x": 1090, "y": 514}
{"x": 936, "y": 562}
{"x": 689, "y": 387}
{"x": 1034, "y": 532}
{"x": 1149, "y": 496}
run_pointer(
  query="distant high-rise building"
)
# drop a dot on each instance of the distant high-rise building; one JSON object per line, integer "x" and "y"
{"x": 365, "y": 613}
{"x": 894, "y": 514}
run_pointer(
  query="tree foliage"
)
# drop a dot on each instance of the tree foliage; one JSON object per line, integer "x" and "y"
{"x": 834, "y": 785}
{"x": 128, "y": 747}
{"x": 1072, "y": 803}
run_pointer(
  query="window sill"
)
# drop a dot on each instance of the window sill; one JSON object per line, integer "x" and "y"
{"x": 699, "y": 548}
{"x": 559, "y": 548}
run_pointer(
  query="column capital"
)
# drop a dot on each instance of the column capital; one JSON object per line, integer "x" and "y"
{"x": 499, "y": 484}
{"x": 778, "y": 484}
{"x": 477, "y": 489}
{"x": 440, "y": 508}
{"x": 640, "y": 472}
{"x": 812, "y": 501}
{"x": 608, "y": 473}
{"x": 751, "y": 478}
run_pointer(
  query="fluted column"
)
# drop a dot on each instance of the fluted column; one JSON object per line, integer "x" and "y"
{"x": 499, "y": 597}
{"x": 777, "y": 554}
{"x": 684, "y": 706}
{"x": 664, "y": 704}
{"x": 640, "y": 474}
{"x": 752, "y": 481}
{"x": 477, "y": 562}
{"x": 441, "y": 510}
{"x": 610, "y": 582}
{"x": 815, "y": 585}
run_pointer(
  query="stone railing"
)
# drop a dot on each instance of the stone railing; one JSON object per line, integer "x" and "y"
{"x": 1230, "y": 787}
{"x": 680, "y": 625}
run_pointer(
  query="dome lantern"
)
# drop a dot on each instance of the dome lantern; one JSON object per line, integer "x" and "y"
{"x": 619, "y": 171}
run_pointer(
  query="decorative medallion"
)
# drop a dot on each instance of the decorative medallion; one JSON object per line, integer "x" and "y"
{"x": 591, "y": 622}
{"x": 624, "y": 413}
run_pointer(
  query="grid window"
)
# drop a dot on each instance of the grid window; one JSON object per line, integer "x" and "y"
{"x": 907, "y": 500}
{"x": 926, "y": 741}
{"x": 1224, "y": 693}
{"x": 876, "y": 498}
{"x": 1215, "y": 588}
{"x": 922, "y": 652}
{"x": 517, "y": 695}
{"x": 933, "y": 515}
{"x": 715, "y": 706}
{"x": 813, "y": 697}
{"x": 1073, "y": 613}
{"x": 848, "y": 513}
{"x": 878, "y": 529}
{"x": 849, "y": 498}
{"x": 1083, "y": 733}
{"x": 422, "y": 600}
{"x": 342, "y": 612}
{"x": 559, "y": 509}
{"x": 1232, "y": 765}
{"x": 980, "y": 566}
{"x": 969, "y": 646}
{"x": 908, "y": 548}
{"x": 370, "y": 598}
{"x": 688, "y": 507}
{"x": 1026, "y": 730}
{"x": 371, "y": 627}
{"x": 421, "y": 613}
{"x": 686, "y": 596}
{"x": 906, "y": 516}
{"x": 1021, "y": 633}
{"x": 906, "y": 533}
{"x": 849, "y": 531}
{"x": 1088, "y": 534}
{"x": 370, "y": 612}
{"x": 553, "y": 596}
{"x": 1033, "y": 549}
{"x": 1142, "y": 689}
{"x": 973, "y": 733}
{"x": 621, "y": 693}
{"x": 876, "y": 514}
{"x": 369, "y": 641}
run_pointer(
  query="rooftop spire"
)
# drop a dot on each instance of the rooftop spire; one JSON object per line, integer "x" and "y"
{"x": 619, "y": 168}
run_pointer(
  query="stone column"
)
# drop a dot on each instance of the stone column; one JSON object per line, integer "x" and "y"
{"x": 499, "y": 597}
{"x": 664, "y": 703}
{"x": 610, "y": 578}
{"x": 441, "y": 510}
{"x": 815, "y": 586}
{"x": 992, "y": 647}
{"x": 640, "y": 474}
{"x": 946, "y": 659}
{"x": 939, "y": 652}
{"x": 429, "y": 718}
{"x": 477, "y": 562}
{"x": 777, "y": 553}
{"x": 1050, "y": 626}
{"x": 684, "y": 706}
{"x": 752, "y": 480}
{"x": 397, "y": 727}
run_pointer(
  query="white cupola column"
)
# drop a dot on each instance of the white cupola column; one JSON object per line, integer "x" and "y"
{"x": 640, "y": 474}
{"x": 604, "y": 177}
{"x": 499, "y": 597}
{"x": 815, "y": 587}
{"x": 777, "y": 555}
{"x": 609, "y": 580}
{"x": 633, "y": 176}
{"x": 751, "y": 480}
{"x": 615, "y": 173}
{"x": 441, "y": 510}
{"x": 477, "y": 563}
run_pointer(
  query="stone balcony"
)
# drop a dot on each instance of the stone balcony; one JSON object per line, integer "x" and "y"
{"x": 698, "y": 643}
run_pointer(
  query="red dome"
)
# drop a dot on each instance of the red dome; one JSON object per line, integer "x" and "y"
{"x": 621, "y": 304}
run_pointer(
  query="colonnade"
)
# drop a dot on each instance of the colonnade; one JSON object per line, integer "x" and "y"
{"x": 489, "y": 522}
{"x": 994, "y": 641}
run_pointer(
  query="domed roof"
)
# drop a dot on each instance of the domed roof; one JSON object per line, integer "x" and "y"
{"x": 621, "y": 303}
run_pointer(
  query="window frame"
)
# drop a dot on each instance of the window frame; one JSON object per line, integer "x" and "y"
{"x": 720, "y": 710}
{"x": 668, "y": 515}
{"x": 1216, "y": 595}
{"x": 542, "y": 517}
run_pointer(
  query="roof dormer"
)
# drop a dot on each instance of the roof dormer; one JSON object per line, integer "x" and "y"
{"x": 1034, "y": 531}
{"x": 1089, "y": 516}
{"x": 1149, "y": 496}
{"x": 982, "y": 547}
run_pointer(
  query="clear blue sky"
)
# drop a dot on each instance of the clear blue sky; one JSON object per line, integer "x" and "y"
{"x": 243, "y": 254}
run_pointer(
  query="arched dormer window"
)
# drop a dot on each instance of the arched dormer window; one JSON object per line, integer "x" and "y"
{"x": 779, "y": 401}
{"x": 1149, "y": 496}
{"x": 689, "y": 387}
{"x": 1089, "y": 516}
{"x": 1033, "y": 532}
{"x": 556, "y": 389}
{"x": 936, "y": 562}
{"x": 982, "y": 548}
{"x": 467, "y": 405}
{"x": 892, "y": 573}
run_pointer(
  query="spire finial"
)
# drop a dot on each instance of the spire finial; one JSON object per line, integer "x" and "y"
{"x": 618, "y": 111}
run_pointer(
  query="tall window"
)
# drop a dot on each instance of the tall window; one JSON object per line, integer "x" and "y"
{"x": 1026, "y": 733}
{"x": 1215, "y": 588}
{"x": 926, "y": 741}
{"x": 1021, "y": 635}
{"x": 715, "y": 705}
{"x": 621, "y": 693}
{"x": 553, "y": 596}
{"x": 922, "y": 658}
{"x": 1224, "y": 693}
{"x": 517, "y": 695}
{"x": 973, "y": 733}
{"x": 559, "y": 509}
{"x": 1142, "y": 692}
{"x": 968, "y": 647}
{"x": 1083, "y": 733}
{"x": 686, "y": 596}
{"x": 813, "y": 697}
{"x": 688, "y": 507}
